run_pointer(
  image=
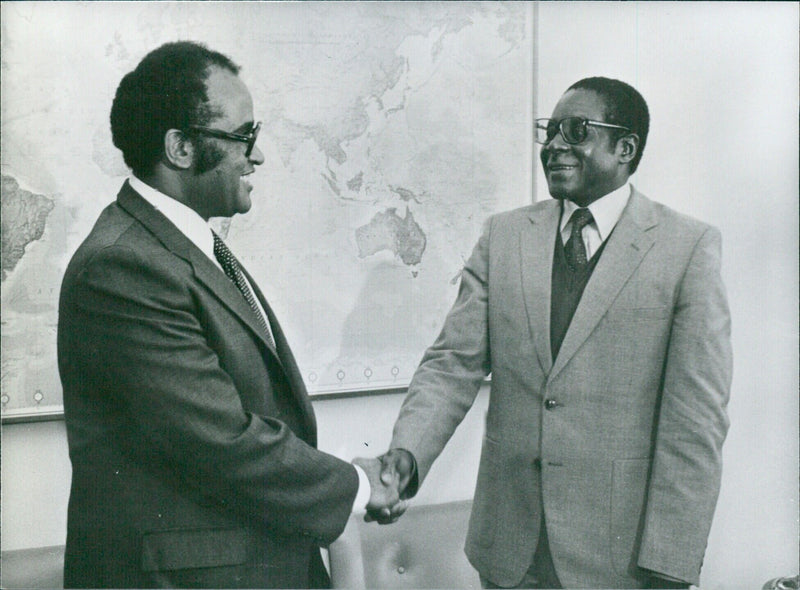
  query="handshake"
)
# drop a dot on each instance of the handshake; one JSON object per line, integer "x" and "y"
{"x": 389, "y": 476}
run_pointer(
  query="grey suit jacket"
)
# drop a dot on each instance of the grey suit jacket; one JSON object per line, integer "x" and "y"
{"x": 626, "y": 424}
{"x": 192, "y": 438}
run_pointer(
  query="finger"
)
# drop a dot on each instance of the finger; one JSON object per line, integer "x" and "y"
{"x": 402, "y": 464}
{"x": 394, "y": 515}
{"x": 388, "y": 470}
{"x": 399, "y": 509}
{"x": 405, "y": 467}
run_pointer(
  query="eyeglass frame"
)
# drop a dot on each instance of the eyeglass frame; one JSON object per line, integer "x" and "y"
{"x": 249, "y": 138}
{"x": 585, "y": 123}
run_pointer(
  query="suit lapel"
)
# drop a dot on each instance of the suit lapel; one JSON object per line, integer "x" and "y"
{"x": 284, "y": 353}
{"x": 536, "y": 253}
{"x": 215, "y": 280}
{"x": 205, "y": 271}
{"x": 627, "y": 245}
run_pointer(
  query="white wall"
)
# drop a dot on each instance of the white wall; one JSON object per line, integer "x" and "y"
{"x": 35, "y": 479}
{"x": 721, "y": 81}
{"x": 36, "y": 471}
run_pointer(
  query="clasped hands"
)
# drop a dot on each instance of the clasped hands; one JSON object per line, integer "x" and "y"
{"x": 389, "y": 476}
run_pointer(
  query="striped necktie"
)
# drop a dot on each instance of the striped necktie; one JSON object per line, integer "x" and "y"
{"x": 575, "y": 249}
{"x": 233, "y": 270}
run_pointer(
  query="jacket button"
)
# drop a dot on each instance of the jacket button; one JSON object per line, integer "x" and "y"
{"x": 550, "y": 404}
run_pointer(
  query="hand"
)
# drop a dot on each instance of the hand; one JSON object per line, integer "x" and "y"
{"x": 384, "y": 503}
{"x": 397, "y": 465}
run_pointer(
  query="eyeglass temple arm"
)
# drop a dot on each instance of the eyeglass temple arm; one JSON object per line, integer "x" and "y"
{"x": 609, "y": 125}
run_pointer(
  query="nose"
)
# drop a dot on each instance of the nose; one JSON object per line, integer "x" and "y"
{"x": 555, "y": 145}
{"x": 256, "y": 156}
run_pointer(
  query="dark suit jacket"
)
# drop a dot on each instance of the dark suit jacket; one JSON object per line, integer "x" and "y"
{"x": 626, "y": 424}
{"x": 192, "y": 440}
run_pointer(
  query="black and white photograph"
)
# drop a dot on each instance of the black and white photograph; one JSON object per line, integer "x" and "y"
{"x": 400, "y": 294}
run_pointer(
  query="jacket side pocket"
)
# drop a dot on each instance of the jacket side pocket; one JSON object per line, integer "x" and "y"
{"x": 193, "y": 548}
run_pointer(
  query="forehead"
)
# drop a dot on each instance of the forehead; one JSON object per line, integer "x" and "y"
{"x": 228, "y": 95}
{"x": 580, "y": 103}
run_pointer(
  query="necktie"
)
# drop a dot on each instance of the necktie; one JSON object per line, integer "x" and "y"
{"x": 232, "y": 269}
{"x": 575, "y": 249}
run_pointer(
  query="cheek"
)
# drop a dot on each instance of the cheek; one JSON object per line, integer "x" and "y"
{"x": 227, "y": 173}
{"x": 589, "y": 159}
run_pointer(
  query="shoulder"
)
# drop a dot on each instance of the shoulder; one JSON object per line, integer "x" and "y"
{"x": 120, "y": 248}
{"x": 671, "y": 224}
{"x": 524, "y": 214}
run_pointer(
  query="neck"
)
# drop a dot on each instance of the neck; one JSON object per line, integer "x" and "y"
{"x": 586, "y": 200}
{"x": 174, "y": 187}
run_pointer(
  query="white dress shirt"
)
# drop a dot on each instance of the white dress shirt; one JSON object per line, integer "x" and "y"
{"x": 197, "y": 230}
{"x": 190, "y": 224}
{"x": 606, "y": 212}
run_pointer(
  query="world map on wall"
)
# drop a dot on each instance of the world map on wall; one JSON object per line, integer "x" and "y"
{"x": 390, "y": 131}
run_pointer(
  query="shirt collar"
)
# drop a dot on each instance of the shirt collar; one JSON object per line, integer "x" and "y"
{"x": 187, "y": 220}
{"x": 606, "y": 210}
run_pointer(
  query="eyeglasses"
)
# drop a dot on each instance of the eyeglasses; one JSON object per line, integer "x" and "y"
{"x": 573, "y": 130}
{"x": 248, "y": 138}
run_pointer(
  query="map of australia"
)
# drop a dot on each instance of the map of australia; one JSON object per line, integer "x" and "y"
{"x": 389, "y": 231}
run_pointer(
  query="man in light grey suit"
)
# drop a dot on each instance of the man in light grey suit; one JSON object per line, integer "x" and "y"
{"x": 603, "y": 320}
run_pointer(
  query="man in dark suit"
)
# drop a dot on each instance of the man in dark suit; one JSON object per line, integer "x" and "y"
{"x": 191, "y": 435}
{"x": 602, "y": 318}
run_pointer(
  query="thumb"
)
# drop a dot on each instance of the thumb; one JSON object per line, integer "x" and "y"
{"x": 388, "y": 471}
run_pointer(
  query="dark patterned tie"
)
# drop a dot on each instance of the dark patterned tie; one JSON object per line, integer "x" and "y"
{"x": 575, "y": 249}
{"x": 231, "y": 267}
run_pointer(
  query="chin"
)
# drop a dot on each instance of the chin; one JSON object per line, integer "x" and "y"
{"x": 243, "y": 204}
{"x": 558, "y": 193}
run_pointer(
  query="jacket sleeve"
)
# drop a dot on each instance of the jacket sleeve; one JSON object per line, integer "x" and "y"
{"x": 450, "y": 374}
{"x": 692, "y": 421}
{"x": 132, "y": 335}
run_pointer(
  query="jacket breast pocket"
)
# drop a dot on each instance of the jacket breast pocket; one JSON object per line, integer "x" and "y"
{"x": 628, "y": 496}
{"x": 641, "y": 314}
{"x": 193, "y": 548}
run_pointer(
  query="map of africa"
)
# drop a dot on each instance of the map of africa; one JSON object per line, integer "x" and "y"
{"x": 390, "y": 131}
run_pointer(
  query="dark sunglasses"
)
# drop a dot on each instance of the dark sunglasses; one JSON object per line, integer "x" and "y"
{"x": 572, "y": 129}
{"x": 248, "y": 138}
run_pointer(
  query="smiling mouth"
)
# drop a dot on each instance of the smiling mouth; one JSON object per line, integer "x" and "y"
{"x": 559, "y": 167}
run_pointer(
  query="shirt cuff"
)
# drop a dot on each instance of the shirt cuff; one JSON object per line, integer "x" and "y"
{"x": 364, "y": 491}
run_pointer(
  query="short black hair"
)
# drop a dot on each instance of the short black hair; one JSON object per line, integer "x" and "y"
{"x": 167, "y": 90}
{"x": 624, "y": 106}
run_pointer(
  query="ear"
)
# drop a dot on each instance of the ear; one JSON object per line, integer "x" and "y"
{"x": 178, "y": 149}
{"x": 628, "y": 146}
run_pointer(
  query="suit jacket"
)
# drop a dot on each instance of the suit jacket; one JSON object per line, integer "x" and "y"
{"x": 626, "y": 425}
{"x": 192, "y": 440}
